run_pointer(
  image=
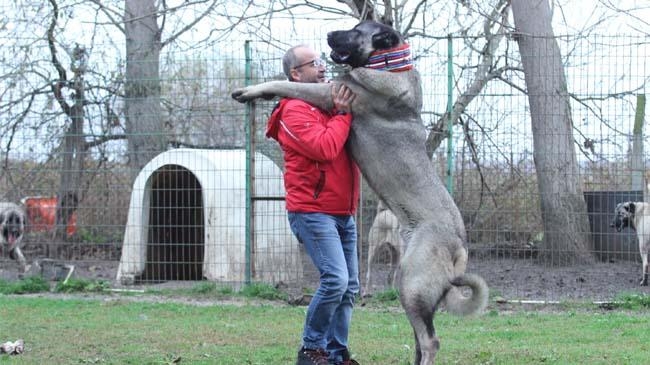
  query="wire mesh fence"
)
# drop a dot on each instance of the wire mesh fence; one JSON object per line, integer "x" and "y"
{"x": 209, "y": 205}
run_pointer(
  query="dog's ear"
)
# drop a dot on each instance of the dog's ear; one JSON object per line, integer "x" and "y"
{"x": 385, "y": 40}
{"x": 632, "y": 207}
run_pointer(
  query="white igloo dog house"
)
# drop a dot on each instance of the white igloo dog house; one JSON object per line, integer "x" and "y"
{"x": 187, "y": 215}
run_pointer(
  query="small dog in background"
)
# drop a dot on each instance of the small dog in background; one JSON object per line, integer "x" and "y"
{"x": 384, "y": 232}
{"x": 636, "y": 215}
{"x": 12, "y": 230}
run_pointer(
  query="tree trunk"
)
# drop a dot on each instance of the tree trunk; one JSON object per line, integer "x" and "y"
{"x": 73, "y": 144}
{"x": 143, "y": 122}
{"x": 567, "y": 236}
{"x": 72, "y": 166}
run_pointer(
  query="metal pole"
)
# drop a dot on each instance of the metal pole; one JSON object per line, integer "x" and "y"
{"x": 450, "y": 126}
{"x": 637, "y": 164}
{"x": 249, "y": 118}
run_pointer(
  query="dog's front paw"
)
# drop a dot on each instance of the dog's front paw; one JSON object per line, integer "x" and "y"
{"x": 245, "y": 94}
{"x": 250, "y": 93}
{"x": 239, "y": 95}
{"x": 644, "y": 281}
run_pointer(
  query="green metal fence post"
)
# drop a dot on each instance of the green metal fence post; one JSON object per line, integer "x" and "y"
{"x": 450, "y": 126}
{"x": 249, "y": 120}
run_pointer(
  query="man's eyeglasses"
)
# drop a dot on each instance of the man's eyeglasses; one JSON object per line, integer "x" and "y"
{"x": 318, "y": 62}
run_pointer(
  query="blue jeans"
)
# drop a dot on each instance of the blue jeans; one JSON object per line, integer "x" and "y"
{"x": 331, "y": 242}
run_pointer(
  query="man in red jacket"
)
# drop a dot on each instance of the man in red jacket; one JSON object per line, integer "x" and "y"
{"x": 322, "y": 194}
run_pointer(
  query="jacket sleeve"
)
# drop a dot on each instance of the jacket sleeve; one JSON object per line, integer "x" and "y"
{"x": 304, "y": 132}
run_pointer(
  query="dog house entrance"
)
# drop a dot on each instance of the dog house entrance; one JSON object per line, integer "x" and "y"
{"x": 175, "y": 237}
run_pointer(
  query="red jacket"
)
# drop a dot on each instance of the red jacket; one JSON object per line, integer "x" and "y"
{"x": 319, "y": 174}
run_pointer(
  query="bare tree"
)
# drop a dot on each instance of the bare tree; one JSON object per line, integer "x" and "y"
{"x": 73, "y": 146}
{"x": 69, "y": 88}
{"x": 142, "y": 83}
{"x": 567, "y": 237}
{"x": 143, "y": 25}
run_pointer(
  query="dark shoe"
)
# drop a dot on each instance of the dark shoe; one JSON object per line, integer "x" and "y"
{"x": 347, "y": 359}
{"x": 312, "y": 357}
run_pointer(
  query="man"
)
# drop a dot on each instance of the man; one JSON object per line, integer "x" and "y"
{"x": 322, "y": 194}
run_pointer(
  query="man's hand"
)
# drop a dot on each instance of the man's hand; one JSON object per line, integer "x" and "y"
{"x": 342, "y": 97}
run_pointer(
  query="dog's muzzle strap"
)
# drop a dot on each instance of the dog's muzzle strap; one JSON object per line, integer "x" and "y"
{"x": 394, "y": 60}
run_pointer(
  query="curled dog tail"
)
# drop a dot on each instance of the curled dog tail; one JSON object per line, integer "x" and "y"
{"x": 458, "y": 304}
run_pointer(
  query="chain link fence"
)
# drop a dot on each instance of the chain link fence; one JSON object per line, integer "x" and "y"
{"x": 210, "y": 206}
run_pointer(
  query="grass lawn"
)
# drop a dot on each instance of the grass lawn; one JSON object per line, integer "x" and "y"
{"x": 126, "y": 331}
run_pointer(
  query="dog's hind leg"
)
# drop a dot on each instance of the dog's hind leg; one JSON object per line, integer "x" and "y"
{"x": 426, "y": 341}
{"x": 644, "y": 271}
{"x": 394, "y": 263}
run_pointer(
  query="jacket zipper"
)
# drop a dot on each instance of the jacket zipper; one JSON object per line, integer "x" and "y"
{"x": 320, "y": 184}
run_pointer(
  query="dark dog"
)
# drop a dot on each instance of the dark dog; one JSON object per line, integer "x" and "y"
{"x": 387, "y": 140}
{"x": 636, "y": 215}
{"x": 12, "y": 229}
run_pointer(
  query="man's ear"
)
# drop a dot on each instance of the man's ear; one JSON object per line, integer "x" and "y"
{"x": 385, "y": 40}
{"x": 295, "y": 75}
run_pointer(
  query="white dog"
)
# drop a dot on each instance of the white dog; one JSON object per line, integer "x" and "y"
{"x": 384, "y": 231}
{"x": 636, "y": 215}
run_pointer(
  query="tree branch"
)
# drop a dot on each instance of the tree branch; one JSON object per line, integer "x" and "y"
{"x": 63, "y": 78}
{"x": 483, "y": 74}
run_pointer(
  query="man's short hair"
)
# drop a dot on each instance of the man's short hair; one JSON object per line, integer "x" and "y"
{"x": 289, "y": 60}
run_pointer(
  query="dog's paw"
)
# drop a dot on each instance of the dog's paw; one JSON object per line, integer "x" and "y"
{"x": 245, "y": 94}
{"x": 249, "y": 93}
{"x": 239, "y": 95}
{"x": 33, "y": 269}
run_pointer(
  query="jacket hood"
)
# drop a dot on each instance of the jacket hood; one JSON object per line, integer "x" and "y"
{"x": 273, "y": 124}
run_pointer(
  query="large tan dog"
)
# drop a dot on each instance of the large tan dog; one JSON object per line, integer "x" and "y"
{"x": 387, "y": 140}
{"x": 12, "y": 230}
{"x": 636, "y": 215}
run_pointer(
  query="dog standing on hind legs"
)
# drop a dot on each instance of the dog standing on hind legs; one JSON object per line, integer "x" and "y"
{"x": 387, "y": 140}
{"x": 636, "y": 215}
{"x": 12, "y": 230}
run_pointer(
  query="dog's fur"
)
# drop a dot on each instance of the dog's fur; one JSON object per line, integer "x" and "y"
{"x": 636, "y": 215}
{"x": 384, "y": 232}
{"x": 387, "y": 140}
{"x": 12, "y": 230}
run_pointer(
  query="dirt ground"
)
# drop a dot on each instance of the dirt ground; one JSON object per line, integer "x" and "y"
{"x": 511, "y": 279}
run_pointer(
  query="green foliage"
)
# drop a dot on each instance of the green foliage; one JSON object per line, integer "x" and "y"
{"x": 262, "y": 291}
{"x": 631, "y": 301}
{"x": 32, "y": 284}
{"x": 81, "y": 285}
{"x": 91, "y": 236}
{"x": 208, "y": 288}
{"x": 387, "y": 296}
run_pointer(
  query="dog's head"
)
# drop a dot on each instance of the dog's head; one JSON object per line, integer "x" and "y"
{"x": 353, "y": 47}
{"x": 12, "y": 227}
{"x": 623, "y": 216}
